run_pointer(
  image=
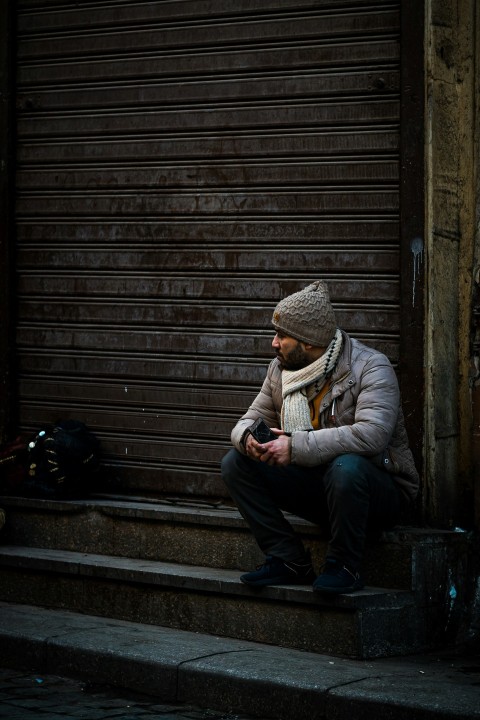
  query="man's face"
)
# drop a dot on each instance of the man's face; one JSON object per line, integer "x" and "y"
{"x": 290, "y": 352}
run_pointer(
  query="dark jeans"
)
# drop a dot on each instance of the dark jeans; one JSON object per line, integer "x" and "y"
{"x": 348, "y": 498}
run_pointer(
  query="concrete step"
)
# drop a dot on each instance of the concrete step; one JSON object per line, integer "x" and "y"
{"x": 370, "y": 623}
{"x": 233, "y": 676}
{"x": 215, "y": 535}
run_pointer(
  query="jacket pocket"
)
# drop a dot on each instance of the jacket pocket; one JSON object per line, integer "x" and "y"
{"x": 386, "y": 461}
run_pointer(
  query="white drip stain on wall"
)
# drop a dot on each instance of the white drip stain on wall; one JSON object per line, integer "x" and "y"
{"x": 416, "y": 247}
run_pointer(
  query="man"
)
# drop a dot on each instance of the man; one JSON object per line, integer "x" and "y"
{"x": 340, "y": 457}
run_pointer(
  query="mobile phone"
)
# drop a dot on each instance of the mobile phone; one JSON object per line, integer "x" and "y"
{"x": 261, "y": 432}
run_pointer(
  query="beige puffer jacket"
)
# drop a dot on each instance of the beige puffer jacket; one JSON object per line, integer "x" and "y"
{"x": 361, "y": 413}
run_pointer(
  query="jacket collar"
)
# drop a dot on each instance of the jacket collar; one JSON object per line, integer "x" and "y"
{"x": 343, "y": 376}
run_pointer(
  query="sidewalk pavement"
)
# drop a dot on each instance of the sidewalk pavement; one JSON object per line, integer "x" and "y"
{"x": 180, "y": 667}
{"x": 26, "y": 695}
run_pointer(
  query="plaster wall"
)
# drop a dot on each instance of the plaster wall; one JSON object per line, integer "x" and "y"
{"x": 451, "y": 200}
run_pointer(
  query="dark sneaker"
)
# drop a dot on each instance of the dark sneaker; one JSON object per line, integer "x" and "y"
{"x": 280, "y": 572}
{"x": 336, "y": 578}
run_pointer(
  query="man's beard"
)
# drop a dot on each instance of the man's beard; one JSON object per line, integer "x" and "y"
{"x": 295, "y": 360}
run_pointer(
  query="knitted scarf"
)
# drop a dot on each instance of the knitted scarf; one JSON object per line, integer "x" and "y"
{"x": 296, "y": 409}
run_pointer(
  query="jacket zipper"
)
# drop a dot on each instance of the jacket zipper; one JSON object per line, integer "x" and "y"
{"x": 332, "y": 414}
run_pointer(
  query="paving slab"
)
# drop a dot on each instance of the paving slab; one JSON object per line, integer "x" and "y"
{"x": 235, "y": 676}
{"x": 26, "y": 695}
{"x": 429, "y": 696}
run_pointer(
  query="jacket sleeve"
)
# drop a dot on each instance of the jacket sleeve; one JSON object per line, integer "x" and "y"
{"x": 374, "y": 400}
{"x": 263, "y": 406}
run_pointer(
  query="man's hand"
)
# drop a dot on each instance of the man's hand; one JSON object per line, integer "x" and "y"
{"x": 275, "y": 452}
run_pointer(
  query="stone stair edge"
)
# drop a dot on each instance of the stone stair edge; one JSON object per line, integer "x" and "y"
{"x": 192, "y": 578}
{"x": 203, "y": 514}
{"x": 135, "y": 508}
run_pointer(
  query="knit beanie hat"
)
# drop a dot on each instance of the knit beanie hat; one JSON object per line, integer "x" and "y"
{"x": 307, "y": 315}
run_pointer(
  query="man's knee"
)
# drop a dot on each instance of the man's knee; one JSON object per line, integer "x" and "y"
{"x": 351, "y": 464}
{"x": 347, "y": 472}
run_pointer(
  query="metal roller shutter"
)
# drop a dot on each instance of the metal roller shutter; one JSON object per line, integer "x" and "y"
{"x": 180, "y": 167}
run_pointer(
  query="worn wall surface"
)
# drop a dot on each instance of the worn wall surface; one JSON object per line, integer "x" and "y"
{"x": 475, "y": 327}
{"x": 450, "y": 241}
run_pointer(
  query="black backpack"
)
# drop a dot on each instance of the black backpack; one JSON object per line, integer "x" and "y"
{"x": 61, "y": 462}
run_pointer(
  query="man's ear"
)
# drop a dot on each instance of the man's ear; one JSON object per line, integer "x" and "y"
{"x": 314, "y": 351}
